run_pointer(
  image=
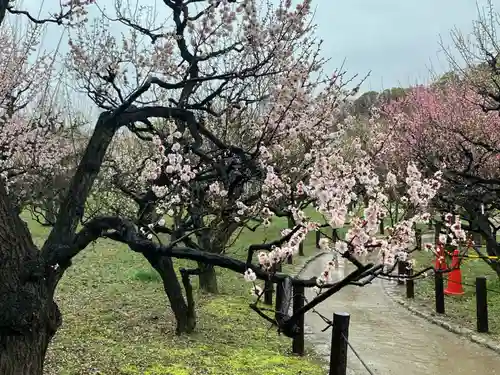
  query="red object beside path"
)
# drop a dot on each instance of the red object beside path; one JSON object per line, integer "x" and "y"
{"x": 454, "y": 286}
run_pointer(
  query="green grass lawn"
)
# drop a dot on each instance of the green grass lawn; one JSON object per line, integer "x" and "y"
{"x": 462, "y": 309}
{"x": 116, "y": 320}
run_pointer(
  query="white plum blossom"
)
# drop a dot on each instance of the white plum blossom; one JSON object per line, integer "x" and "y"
{"x": 249, "y": 275}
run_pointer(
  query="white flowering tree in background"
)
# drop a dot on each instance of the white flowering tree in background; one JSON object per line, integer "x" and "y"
{"x": 33, "y": 143}
{"x": 235, "y": 110}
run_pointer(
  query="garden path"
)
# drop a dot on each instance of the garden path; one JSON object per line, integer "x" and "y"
{"x": 389, "y": 338}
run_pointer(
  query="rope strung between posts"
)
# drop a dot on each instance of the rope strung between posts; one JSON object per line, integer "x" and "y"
{"x": 421, "y": 277}
{"x": 471, "y": 285}
{"x": 325, "y": 319}
{"x": 357, "y": 355}
{"x": 330, "y": 324}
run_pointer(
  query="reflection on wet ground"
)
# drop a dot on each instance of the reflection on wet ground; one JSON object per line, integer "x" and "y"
{"x": 390, "y": 339}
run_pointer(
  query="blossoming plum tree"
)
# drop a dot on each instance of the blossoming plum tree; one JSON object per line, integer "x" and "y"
{"x": 233, "y": 108}
{"x": 228, "y": 95}
{"x": 32, "y": 143}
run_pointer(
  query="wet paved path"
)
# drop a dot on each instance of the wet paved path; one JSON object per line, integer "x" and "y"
{"x": 390, "y": 339}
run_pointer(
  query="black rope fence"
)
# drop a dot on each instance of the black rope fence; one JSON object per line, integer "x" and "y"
{"x": 329, "y": 323}
{"x": 358, "y": 356}
{"x": 425, "y": 276}
{"x": 470, "y": 285}
{"x": 340, "y": 341}
{"x": 452, "y": 277}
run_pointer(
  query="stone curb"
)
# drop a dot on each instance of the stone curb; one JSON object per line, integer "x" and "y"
{"x": 431, "y": 317}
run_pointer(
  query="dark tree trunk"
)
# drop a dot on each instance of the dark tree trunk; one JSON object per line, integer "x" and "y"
{"x": 418, "y": 238}
{"x": 23, "y": 353}
{"x": 480, "y": 222}
{"x": 381, "y": 226}
{"x": 477, "y": 238}
{"x": 165, "y": 267}
{"x": 50, "y": 209}
{"x": 437, "y": 231}
{"x": 185, "y": 320}
{"x": 208, "y": 278}
{"x": 493, "y": 249}
{"x": 28, "y": 316}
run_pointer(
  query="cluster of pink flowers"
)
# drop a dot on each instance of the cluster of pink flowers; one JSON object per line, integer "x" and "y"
{"x": 32, "y": 142}
{"x": 331, "y": 176}
{"x": 455, "y": 226}
{"x": 333, "y": 197}
{"x": 278, "y": 254}
{"x": 421, "y": 190}
{"x": 455, "y": 235}
{"x": 326, "y": 276}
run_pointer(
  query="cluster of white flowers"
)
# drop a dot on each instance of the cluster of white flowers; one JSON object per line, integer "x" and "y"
{"x": 421, "y": 191}
{"x": 455, "y": 236}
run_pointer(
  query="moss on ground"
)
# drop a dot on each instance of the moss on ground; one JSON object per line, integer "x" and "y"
{"x": 116, "y": 321}
{"x": 462, "y": 309}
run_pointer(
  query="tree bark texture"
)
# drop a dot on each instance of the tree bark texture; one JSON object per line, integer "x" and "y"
{"x": 29, "y": 317}
{"x": 208, "y": 278}
{"x": 165, "y": 268}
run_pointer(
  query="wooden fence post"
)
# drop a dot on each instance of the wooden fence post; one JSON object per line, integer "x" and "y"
{"x": 401, "y": 271}
{"x": 430, "y": 224}
{"x": 439, "y": 289}
{"x": 437, "y": 231}
{"x": 338, "y": 351}
{"x": 298, "y": 303}
{"x": 410, "y": 285}
{"x": 291, "y": 225}
{"x": 481, "y": 305}
{"x": 283, "y": 299}
{"x": 278, "y": 300}
{"x": 301, "y": 249}
{"x": 418, "y": 238}
{"x": 268, "y": 292}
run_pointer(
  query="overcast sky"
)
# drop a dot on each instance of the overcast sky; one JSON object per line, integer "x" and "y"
{"x": 397, "y": 40}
